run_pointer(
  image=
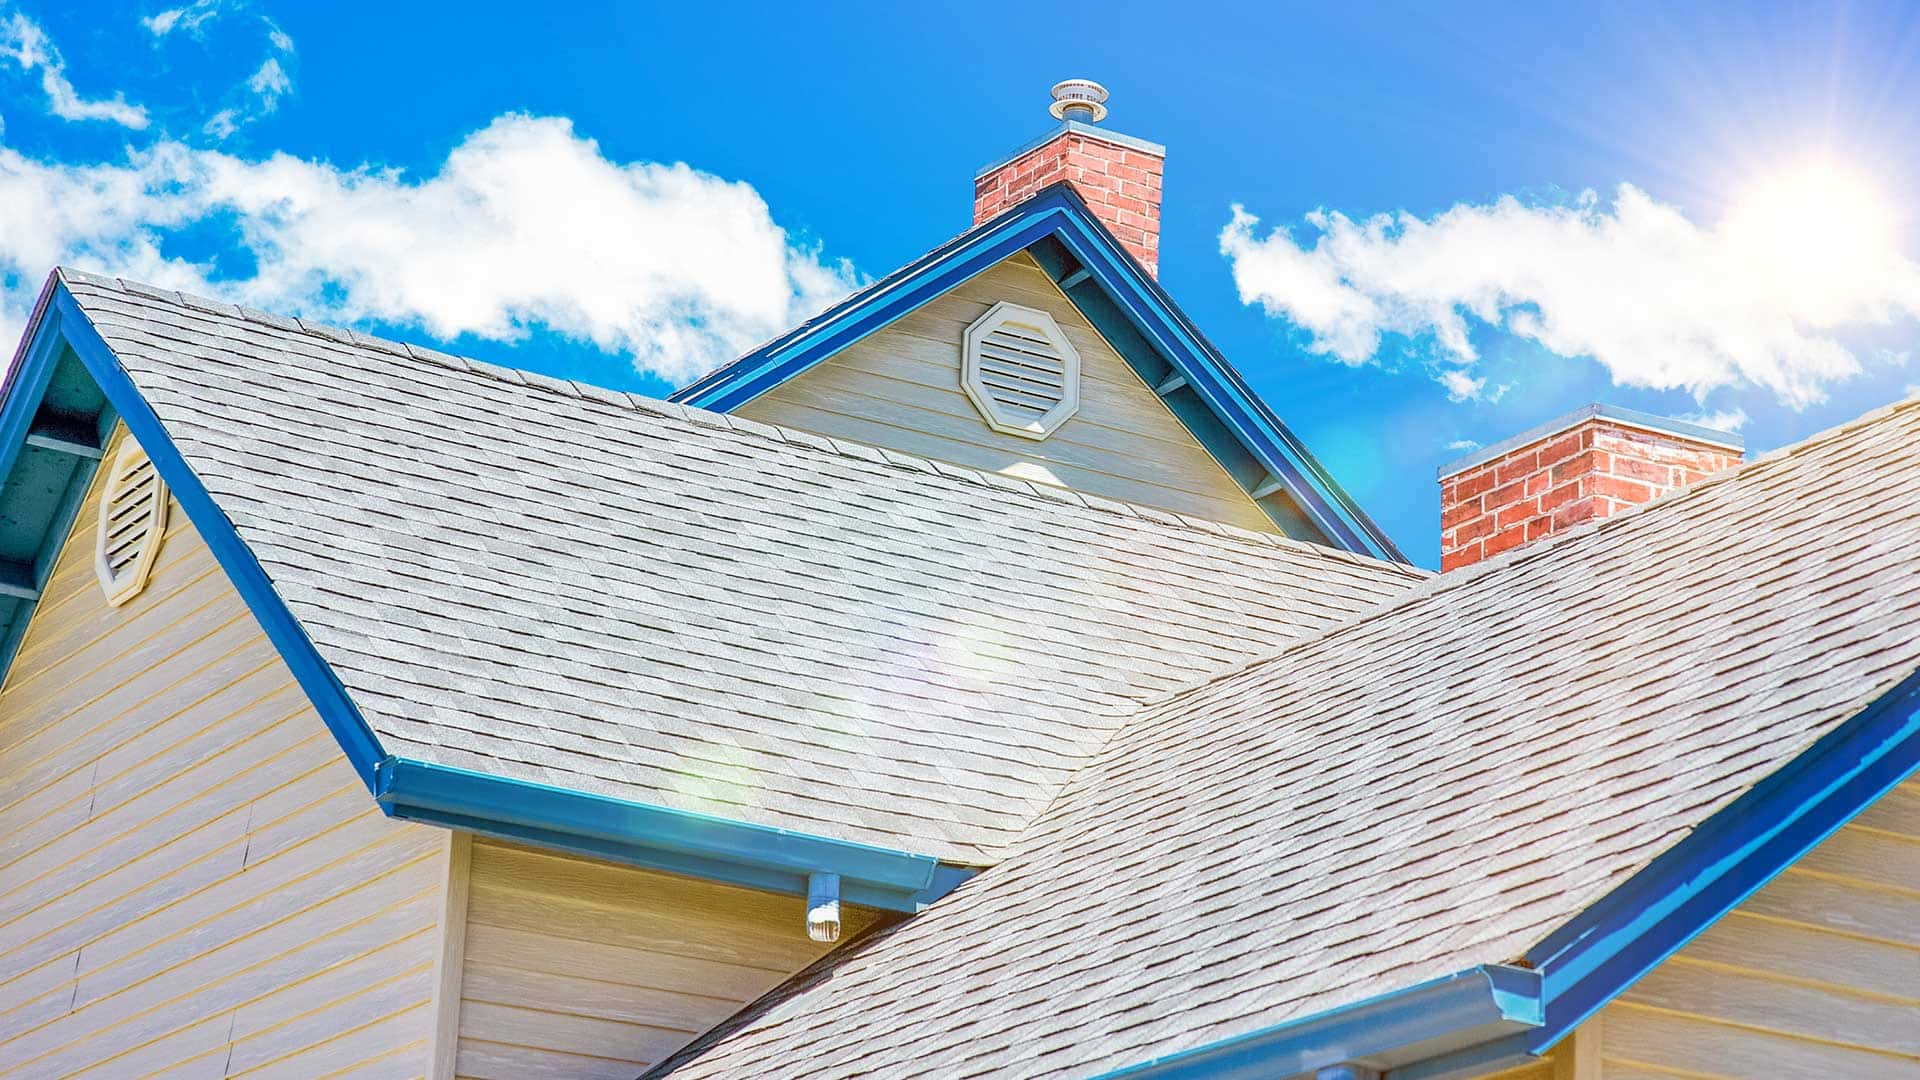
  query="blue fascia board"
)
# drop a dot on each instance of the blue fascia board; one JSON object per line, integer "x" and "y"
{"x": 1481, "y": 1006}
{"x": 32, "y": 370}
{"x": 1225, "y": 393}
{"x": 1474, "y": 1061}
{"x": 787, "y": 356}
{"x": 1725, "y": 860}
{"x": 1057, "y": 212}
{"x": 355, "y": 736}
{"x": 26, "y": 387}
{"x": 660, "y": 838}
{"x": 693, "y": 844}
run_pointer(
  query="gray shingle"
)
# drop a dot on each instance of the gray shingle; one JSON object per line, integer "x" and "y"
{"x": 657, "y": 604}
{"x": 1435, "y": 784}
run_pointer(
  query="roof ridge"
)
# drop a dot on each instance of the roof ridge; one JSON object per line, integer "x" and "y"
{"x": 1437, "y": 584}
{"x": 793, "y": 437}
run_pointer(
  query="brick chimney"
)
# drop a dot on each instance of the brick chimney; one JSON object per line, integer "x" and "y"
{"x": 1118, "y": 175}
{"x": 1591, "y": 463}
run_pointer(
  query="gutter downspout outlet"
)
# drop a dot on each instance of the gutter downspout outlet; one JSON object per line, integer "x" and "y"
{"x": 823, "y": 907}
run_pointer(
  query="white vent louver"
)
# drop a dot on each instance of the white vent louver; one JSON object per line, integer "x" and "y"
{"x": 1020, "y": 370}
{"x": 133, "y": 518}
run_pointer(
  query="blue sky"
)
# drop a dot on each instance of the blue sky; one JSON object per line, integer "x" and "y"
{"x": 1692, "y": 213}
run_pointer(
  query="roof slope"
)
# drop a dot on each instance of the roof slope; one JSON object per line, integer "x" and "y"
{"x": 608, "y": 593}
{"x": 1127, "y": 306}
{"x": 1436, "y": 785}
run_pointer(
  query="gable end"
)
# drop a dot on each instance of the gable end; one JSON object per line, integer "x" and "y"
{"x": 1128, "y": 308}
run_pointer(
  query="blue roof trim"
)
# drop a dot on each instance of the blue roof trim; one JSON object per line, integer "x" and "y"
{"x": 1473, "y": 1008}
{"x": 701, "y": 845}
{"x": 46, "y": 532}
{"x": 845, "y": 323}
{"x": 1447, "y": 1029}
{"x": 694, "y": 844}
{"x": 1057, "y": 212}
{"x": 1742, "y": 847}
{"x": 250, "y": 580}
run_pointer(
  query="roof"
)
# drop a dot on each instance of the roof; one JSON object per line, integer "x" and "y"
{"x": 608, "y": 594}
{"x": 1452, "y": 780}
{"x": 1130, "y": 309}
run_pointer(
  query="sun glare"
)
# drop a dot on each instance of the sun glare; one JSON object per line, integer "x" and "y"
{"x": 1814, "y": 220}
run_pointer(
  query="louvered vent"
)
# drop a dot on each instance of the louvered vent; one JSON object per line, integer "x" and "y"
{"x": 1021, "y": 372}
{"x": 133, "y": 518}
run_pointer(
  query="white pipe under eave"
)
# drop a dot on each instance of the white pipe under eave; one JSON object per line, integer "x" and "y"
{"x": 823, "y": 907}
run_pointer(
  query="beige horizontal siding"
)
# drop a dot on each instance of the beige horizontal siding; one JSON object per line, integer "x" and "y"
{"x": 193, "y": 882}
{"x": 581, "y": 969}
{"x": 900, "y": 388}
{"x": 1816, "y": 975}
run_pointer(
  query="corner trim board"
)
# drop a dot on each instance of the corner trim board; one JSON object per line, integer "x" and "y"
{"x": 1482, "y": 1006}
{"x": 450, "y": 960}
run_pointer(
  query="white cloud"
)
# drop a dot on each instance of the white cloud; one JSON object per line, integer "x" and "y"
{"x": 526, "y": 224}
{"x": 270, "y": 82}
{"x": 187, "y": 17}
{"x": 1460, "y": 386}
{"x": 223, "y": 123}
{"x": 25, "y": 43}
{"x": 1763, "y": 298}
{"x": 262, "y": 93}
{"x": 1719, "y": 419}
{"x": 1463, "y": 445}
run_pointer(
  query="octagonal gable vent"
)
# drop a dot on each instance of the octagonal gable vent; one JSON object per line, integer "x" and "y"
{"x": 1020, "y": 371}
{"x": 133, "y": 518}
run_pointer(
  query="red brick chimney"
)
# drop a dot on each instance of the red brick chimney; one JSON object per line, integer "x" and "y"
{"x": 1118, "y": 175}
{"x": 1588, "y": 464}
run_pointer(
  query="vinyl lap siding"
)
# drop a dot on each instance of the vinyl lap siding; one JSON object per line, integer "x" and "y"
{"x": 900, "y": 388}
{"x": 585, "y": 970}
{"x": 1816, "y": 975}
{"x": 193, "y": 882}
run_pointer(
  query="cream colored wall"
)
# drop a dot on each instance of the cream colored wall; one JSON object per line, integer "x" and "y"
{"x": 581, "y": 969}
{"x": 1816, "y": 975}
{"x": 900, "y": 388}
{"x": 1539, "y": 1070}
{"x": 193, "y": 882}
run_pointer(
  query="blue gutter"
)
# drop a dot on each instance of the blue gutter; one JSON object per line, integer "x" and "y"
{"x": 1447, "y": 1030}
{"x": 699, "y": 845}
{"x": 1746, "y": 844}
{"x": 1476, "y": 1007}
{"x": 677, "y": 841}
{"x": 1057, "y": 211}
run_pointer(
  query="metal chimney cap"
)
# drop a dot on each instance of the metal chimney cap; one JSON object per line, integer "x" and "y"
{"x": 1079, "y": 99}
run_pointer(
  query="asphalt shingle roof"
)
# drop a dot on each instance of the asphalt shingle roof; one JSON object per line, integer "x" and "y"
{"x": 564, "y": 584}
{"x": 1435, "y": 785}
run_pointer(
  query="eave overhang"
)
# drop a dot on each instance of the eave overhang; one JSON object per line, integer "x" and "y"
{"x": 1129, "y": 303}
{"x": 1496, "y": 1017}
{"x": 1747, "y": 843}
{"x": 717, "y": 849}
{"x": 659, "y": 838}
{"x": 1447, "y": 1016}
